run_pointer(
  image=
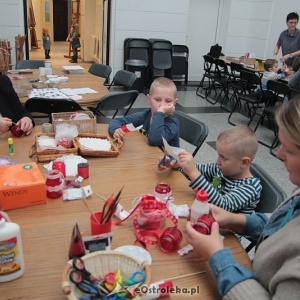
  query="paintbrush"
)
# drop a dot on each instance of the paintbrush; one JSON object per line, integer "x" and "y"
{"x": 112, "y": 207}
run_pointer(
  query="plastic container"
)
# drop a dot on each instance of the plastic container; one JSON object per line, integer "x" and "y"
{"x": 204, "y": 223}
{"x": 170, "y": 239}
{"x": 162, "y": 191}
{"x": 54, "y": 184}
{"x": 12, "y": 263}
{"x": 200, "y": 206}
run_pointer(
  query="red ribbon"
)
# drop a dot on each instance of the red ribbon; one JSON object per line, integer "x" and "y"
{"x": 148, "y": 202}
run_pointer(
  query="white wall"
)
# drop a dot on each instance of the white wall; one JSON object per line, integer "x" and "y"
{"x": 11, "y": 22}
{"x": 248, "y": 27}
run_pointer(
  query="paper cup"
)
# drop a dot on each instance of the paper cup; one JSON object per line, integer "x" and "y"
{"x": 42, "y": 71}
{"x": 96, "y": 226}
{"x": 48, "y": 71}
{"x": 48, "y": 64}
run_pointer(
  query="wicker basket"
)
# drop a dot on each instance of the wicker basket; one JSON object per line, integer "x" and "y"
{"x": 84, "y": 126}
{"x": 49, "y": 154}
{"x": 101, "y": 262}
{"x": 116, "y": 144}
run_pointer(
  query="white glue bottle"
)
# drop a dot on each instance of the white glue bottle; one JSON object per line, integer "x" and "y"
{"x": 159, "y": 289}
{"x": 200, "y": 206}
{"x": 11, "y": 252}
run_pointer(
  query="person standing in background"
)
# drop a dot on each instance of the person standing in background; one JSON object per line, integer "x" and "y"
{"x": 73, "y": 38}
{"x": 289, "y": 40}
{"x": 46, "y": 43}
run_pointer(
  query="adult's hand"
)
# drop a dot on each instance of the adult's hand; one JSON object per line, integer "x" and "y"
{"x": 228, "y": 220}
{"x": 204, "y": 245}
{"x": 25, "y": 125}
{"x": 5, "y": 123}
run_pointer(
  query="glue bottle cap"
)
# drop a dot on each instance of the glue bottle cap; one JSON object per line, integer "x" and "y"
{"x": 201, "y": 195}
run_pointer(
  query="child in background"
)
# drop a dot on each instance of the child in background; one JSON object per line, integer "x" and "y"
{"x": 272, "y": 72}
{"x": 228, "y": 182}
{"x": 46, "y": 43}
{"x": 294, "y": 81}
{"x": 158, "y": 121}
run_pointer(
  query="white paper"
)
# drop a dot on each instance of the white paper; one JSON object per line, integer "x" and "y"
{"x": 174, "y": 151}
{"x": 130, "y": 127}
{"x": 80, "y": 91}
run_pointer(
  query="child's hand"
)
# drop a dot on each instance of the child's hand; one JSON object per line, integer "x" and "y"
{"x": 166, "y": 163}
{"x": 283, "y": 68}
{"x": 187, "y": 163}
{"x": 167, "y": 109}
{"x": 119, "y": 134}
{"x": 204, "y": 245}
{"x": 5, "y": 216}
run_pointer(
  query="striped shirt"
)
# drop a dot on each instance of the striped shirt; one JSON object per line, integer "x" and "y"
{"x": 234, "y": 195}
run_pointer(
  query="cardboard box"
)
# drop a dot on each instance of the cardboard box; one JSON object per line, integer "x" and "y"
{"x": 21, "y": 185}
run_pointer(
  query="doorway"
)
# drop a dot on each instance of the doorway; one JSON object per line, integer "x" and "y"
{"x": 60, "y": 18}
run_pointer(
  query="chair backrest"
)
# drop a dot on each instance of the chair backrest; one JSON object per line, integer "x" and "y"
{"x": 272, "y": 194}
{"x": 138, "y": 49}
{"x": 279, "y": 89}
{"x": 124, "y": 79}
{"x": 29, "y": 64}
{"x": 100, "y": 70}
{"x": 49, "y": 106}
{"x": 191, "y": 130}
{"x": 209, "y": 63}
{"x": 180, "y": 59}
{"x": 116, "y": 101}
{"x": 162, "y": 55}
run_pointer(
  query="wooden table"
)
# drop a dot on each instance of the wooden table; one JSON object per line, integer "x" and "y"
{"x": 46, "y": 229}
{"x": 80, "y": 80}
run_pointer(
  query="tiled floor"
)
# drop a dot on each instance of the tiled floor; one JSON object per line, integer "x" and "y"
{"x": 213, "y": 115}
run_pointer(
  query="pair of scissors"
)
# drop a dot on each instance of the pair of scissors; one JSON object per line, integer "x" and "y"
{"x": 84, "y": 284}
{"x": 163, "y": 160}
{"x": 79, "y": 265}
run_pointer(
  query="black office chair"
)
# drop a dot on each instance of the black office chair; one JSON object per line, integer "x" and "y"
{"x": 277, "y": 92}
{"x": 122, "y": 81}
{"x": 250, "y": 81}
{"x": 271, "y": 196}
{"x": 191, "y": 130}
{"x": 29, "y": 64}
{"x": 180, "y": 63}
{"x": 137, "y": 48}
{"x": 114, "y": 102}
{"x": 100, "y": 70}
{"x": 48, "y": 106}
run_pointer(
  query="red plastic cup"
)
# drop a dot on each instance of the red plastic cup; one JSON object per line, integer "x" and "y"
{"x": 170, "y": 239}
{"x": 96, "y": 226}
{"x": 16, "y": 131}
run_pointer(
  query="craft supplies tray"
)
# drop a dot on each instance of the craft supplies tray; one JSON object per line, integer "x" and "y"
{"x": 84, "y": 120}
{"x": 100, "y": 263}
{"x": 49, "y": 154}
{"x": 112, "y": 150}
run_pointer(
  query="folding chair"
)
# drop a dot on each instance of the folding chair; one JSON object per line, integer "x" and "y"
{"x": 191, "y": 130}
{"x": 272, "y": 194}
{"x": 252, "y": 101}
{"x": 49, "y": 106}
{"x": 180, "y": 63}
{"x": 100, "y": 70}
{"x": 114, "y": 102}
{"x": 209, "y": 68}
{"x": 29, "y": 64}
{"x": 122, "y": 81}
{"x": 277, "y": 91}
